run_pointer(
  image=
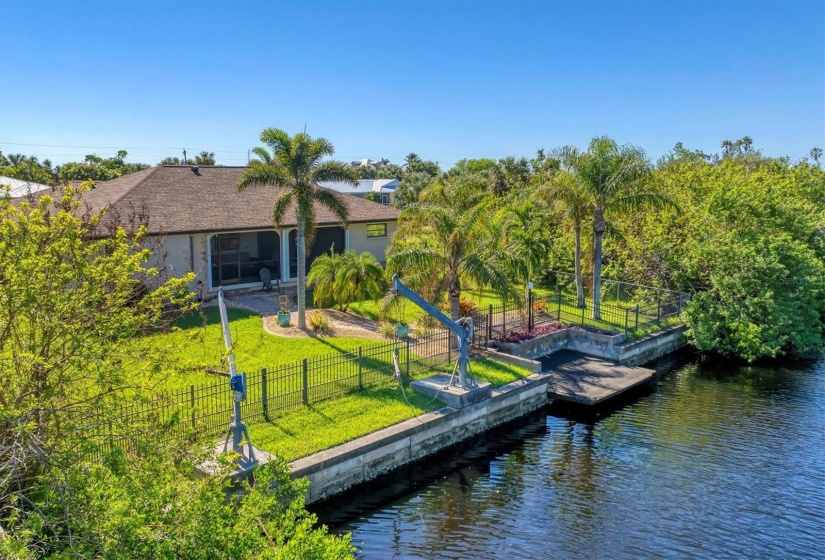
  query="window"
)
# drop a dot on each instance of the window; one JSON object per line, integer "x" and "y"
{"x": 376, "y": 230}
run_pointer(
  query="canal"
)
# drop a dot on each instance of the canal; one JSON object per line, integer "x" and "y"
{"x": 714, "y": 461}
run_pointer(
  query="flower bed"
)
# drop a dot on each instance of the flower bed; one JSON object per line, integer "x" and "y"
{"x": 521, "y": 335}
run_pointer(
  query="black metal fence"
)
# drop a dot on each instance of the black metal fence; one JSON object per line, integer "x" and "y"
{"x": 206, "y": 409}
{"x": 496, "y": 320}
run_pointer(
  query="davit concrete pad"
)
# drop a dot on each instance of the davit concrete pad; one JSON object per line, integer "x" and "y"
{"x": 438, "y": 387}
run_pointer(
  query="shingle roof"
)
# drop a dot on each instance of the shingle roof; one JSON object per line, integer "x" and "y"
{"x": 177, "y": 200}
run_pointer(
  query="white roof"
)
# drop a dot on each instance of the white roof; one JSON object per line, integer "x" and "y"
{"x": 364, "y": 186}
{"x": 20, "y": 187}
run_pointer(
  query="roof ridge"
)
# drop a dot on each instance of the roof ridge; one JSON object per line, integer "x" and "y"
{"x": 133, "y": 187}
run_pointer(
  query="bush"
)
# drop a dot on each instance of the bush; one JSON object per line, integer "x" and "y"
{"x": 318, "y": 322}
{"x": 387, "y": 329}
{"x": 466, "y": 306}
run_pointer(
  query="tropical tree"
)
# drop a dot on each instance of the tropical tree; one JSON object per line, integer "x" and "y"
{"x": 341, "y": 278}
{"x": 567, "y": 193}
{"x": 526, "y": 237}
{"x": 296, "y": 165}
{"x": 816, "y": 154}
{"x": 360, "y": 277}
{"x": 508, "y": 174}
{"x": 411, "y": 159}
{"x": 612, "y": 178}
{"x": 324, "y": 275}
{"x": 444, "y": 240}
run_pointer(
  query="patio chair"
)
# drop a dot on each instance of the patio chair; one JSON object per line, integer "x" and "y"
{"x": 268, "y": 282}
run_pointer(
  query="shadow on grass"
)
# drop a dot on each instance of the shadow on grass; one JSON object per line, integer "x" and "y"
{"x": 203, "y": 317}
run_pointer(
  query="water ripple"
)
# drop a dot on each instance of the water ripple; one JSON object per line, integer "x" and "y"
{"x": 717, "y": 462}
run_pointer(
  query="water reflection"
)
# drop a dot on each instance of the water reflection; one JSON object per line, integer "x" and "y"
{"x": 716, "y": 461}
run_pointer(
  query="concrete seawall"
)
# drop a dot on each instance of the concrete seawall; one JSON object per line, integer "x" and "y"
{"x": 334, "y": 470}
{"x": 607, "y": 346}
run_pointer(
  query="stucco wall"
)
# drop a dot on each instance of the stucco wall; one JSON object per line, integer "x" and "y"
{"x": 359, "y": 242}
{"x": 173, "y": 255}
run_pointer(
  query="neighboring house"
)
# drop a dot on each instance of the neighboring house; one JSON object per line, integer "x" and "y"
{"x": 385, "y": 188}
{"x": 20, "y": 187}
{"x": 198, "y": 221}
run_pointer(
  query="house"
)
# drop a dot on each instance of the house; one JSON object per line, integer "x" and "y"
{"x": 21, "y": 188}
{"x": 198, "y": 221}
{"x": 384, "y": 188}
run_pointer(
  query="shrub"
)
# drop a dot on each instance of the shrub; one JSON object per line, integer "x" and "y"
{"x": 466, "y": 306}
{"x": 387, "y": 329}
{"x": 318, "y": 322}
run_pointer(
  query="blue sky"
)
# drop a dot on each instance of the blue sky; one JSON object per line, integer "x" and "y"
{"x": 446, "y": 80}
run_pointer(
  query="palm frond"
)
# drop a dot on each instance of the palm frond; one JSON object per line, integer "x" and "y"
{"x": 334, "y": 171}
{"x": 282, "y": 203}
{"x": 332, "y": 200}
{"x": 265, "y": 175}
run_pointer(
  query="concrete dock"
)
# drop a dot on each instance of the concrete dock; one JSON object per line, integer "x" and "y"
{"x": 582, "y": 379}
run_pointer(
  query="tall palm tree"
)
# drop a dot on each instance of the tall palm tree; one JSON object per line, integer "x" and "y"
{"x": 296, "y": 165}
{"x": 815, "y": 154}
{"x": 411, "y": 159}
{"x": 565, "y": 191}
{"x": 612, "y": 178}
{"x": 444, "y": 239}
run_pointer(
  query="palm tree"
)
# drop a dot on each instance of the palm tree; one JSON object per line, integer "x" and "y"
{"x": 444, "y": 239}
{"x": 526, "y": 237}
{"x": 296, "y": 165}
{"x": 611, "y": 177}
{"x": 815, "y": 154}
{"x": 411, "y": 159}
{"x": 565, "y": 191}
{"x": 324, "y": 274}
{"x": 360, "y": 277}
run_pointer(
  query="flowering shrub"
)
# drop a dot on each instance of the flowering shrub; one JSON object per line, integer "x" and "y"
{"x": 466, "y": 305}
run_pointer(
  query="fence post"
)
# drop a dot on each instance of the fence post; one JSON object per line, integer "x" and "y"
{"x": 305, "y": 381}
{"x": 583, "y": 308}
{"x": 558, "y": 313}
{"x": 529, "y": 310}
{"x": 490, "y": 323}
{"x": 264, "y": 396}
{"x": 637, "y": 317}
{"x": 192, "y": 403}
{"x": 658, "y": 307}
{"x": 408, "y": 356}
{"x": 449, "y": 347}
{"x": 360, "y": 369}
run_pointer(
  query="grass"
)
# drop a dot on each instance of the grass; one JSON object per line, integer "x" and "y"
{"x": 195, "y": 344}
{"x": 300, "y": 432}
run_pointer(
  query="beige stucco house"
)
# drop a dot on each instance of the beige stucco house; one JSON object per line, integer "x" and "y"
{"x": 198, "y": 221}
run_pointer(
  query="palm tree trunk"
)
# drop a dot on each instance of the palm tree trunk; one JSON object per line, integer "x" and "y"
{"x": 454, "y": 293}
{"x": 578, "y": 267}
{"x": 302, "y": 283}
{"x": 598, "y": 230}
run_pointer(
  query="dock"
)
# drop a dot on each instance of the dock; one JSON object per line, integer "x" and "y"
{"x": 578, "y": 378}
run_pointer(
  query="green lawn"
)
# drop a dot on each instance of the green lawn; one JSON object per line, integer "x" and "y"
{"x": 195, "y": 344}
{"x": 300, "y": 432}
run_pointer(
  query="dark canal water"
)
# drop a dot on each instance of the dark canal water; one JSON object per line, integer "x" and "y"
{"x": 715, "y": 461}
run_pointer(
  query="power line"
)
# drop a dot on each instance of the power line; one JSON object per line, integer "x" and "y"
{"x": 109, "y": 147}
